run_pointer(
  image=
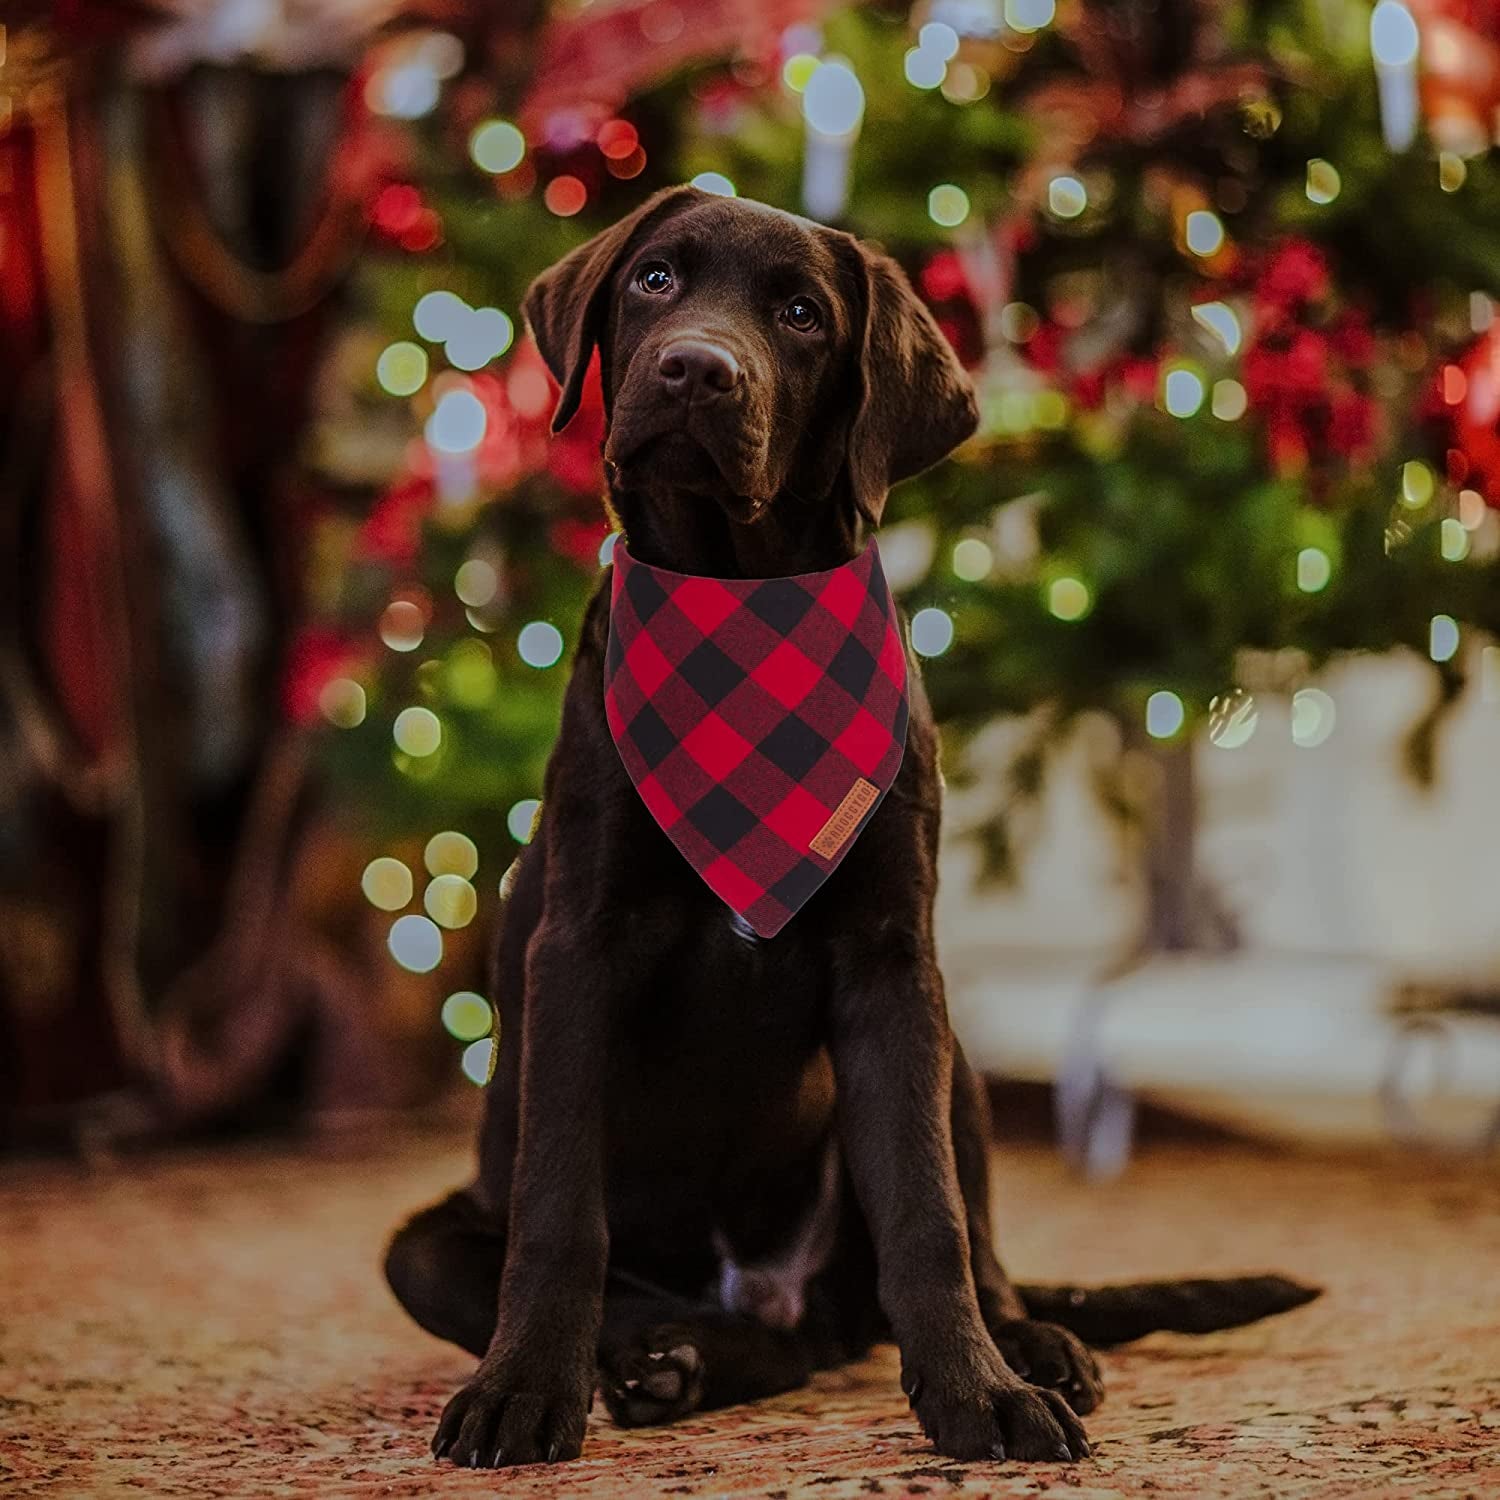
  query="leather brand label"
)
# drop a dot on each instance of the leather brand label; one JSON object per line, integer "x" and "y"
{"x": 834, "y": 834}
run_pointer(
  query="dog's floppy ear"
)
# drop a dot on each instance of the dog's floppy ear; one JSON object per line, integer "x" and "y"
{"x": 914, "y": 402}
{"x": 566, "y": 305}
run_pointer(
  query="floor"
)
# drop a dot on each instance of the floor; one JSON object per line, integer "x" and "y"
{"x": 212, "y": 1324}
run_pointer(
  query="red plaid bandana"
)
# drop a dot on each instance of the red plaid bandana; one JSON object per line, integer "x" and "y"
{"x": 761, "y": 720}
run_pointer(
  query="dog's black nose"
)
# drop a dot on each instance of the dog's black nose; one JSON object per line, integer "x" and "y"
{"x": 694, "y": 367}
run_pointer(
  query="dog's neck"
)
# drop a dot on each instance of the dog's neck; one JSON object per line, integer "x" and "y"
{"x": 688, "y": 532}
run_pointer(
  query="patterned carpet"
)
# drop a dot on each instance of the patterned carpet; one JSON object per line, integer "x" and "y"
{"x": 213, "y": 1325}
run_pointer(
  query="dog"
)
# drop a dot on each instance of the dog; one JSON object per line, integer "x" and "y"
{"x": 709, "y": 1163}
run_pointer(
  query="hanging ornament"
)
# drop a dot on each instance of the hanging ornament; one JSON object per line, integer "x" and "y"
{"x": 833, "y": 108}
{"x": 1394, "y": 45}
{"x": 1460, "y": 73}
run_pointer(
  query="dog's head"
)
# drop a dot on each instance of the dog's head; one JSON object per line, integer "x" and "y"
{"x": 751, "y": 360}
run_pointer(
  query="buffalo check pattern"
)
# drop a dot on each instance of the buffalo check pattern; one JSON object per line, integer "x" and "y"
{"x": 760, "y": 719}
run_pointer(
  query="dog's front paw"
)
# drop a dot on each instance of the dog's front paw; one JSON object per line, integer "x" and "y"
{"x": 654, "y": 1377}
{"x": 986, "y": 1412}
{"x": 1049, "y": 1356}
{"x": 502, "y": 1418}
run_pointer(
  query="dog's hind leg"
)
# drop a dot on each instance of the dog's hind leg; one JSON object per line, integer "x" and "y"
{"x": 444, "y": 1266}
{"x": 661, "y": 1357}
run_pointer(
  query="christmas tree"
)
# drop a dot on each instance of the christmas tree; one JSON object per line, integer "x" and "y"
{"x": 1223, "y": 273}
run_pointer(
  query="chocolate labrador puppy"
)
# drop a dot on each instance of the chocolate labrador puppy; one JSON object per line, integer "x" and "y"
{"x": 711, "y": 1164}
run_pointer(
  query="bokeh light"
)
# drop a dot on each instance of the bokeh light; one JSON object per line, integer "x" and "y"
{"x": 833, "y": 103}
{"x": 1182, "y": 392}
{"x": 797, "y": 71}
{"x": 540, "y": 644}
{"x": 1314, "y": 569}
{"x": 1442, "y": 638}
{"x": 417, "y": 732}
{"x": 497, "y": 146}
{"x": 1394, "y": 38}
{"x": 716, "y": 183}
{"x": 521, "y": 818}
{"x": 467, "y": 1016}
{"x": 1066, "y": 197}
{"x": 343, "y": 703}
{"x": 1323, "y": 181}
{"x": 1029, "y": 15}
{"x": 476, "y": 582}
{"x": 1230, "y": 400}
{"x": 416, "y": 944}
{"x": 450, "y": 901}
{"x": 402, "y": 368}
{"x": 438, "y": 315}
{"x": 1068, "y": 598}
{"x": 1313, "y": 718}
{"x": 1220, "y": 320}
{"x": 387, "y": 883}
{"x": 451, "y": 853}
{"x": 1454, "y": 540}
{"x": 1232, "y": 718}
{"x": 931, "y": 631}
{"x": 1203, "y": 232}
{"x": 565, "y": 196}
{"x": 972, "y": 559}
{"x": 924, "y": 69}
{"x": 1417, "y": 484}
{"x": 1165, "y": 714}
{"x": 457, "y": 424}
{"x": 948, "y": 205}
{"x": 476, "y": 1061}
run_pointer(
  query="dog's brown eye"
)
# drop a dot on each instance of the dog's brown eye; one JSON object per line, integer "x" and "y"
{"x": 655, "y": 278}
{"x": 802, "y": 315}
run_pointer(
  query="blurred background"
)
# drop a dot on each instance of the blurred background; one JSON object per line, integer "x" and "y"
{"x": 292, "y": 566}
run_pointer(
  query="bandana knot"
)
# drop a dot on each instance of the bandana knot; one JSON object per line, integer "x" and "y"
{"x": 761, "y": 720}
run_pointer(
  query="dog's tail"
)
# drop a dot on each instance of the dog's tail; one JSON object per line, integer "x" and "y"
{"x": 1107, "y": 1315}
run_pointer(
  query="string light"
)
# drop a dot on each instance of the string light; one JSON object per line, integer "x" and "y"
{"x": 450, "y": 901}
{"x": 540, "y": 644}
{"x": 1454, "y": 540}
{"x": 342, "y": 702}
{"x": 401, "y": 625}
{"x": 931, "y": 631}
{"x": 1220, "y": 320}
{"x": 418, "y": 732}
{"x": 1203, "y": 232}
{"x": 1068, "y": 598}
{"x": 387, "y": 884}
{"x": 467, "y": 1016}
{"x": 1230, "y": 400}
{"x": 402, "y": 368}
{"x": 1165, "y": 714}
{"x": 476, "y": 1061}
{"x": 565, "y": 196}
{"x": 416, "y": 944}
{"x": 457, "y": 424}
{"x": 482, "y": 334}
{"x": 521, "y": 819}
{"x": 1314, "y": 569}
{"x": 1323, "y": 181}
{"x": 438, "y": 315}
{"x": 948, "y": 205}
{"x": 714, "y": 182}
{"x": 1232, "y": 718}
{"x": 1029, "y": 15}
{"x": 1416, "y": 484}
{"x": 1442, "y": 638}
{"x": 833, "y": 102}
{"x": 797, "y": 71}
{"x": 496, "y": 146}
{"x": 1066, "y": 197}
{"x": 476, "y": 582}
{"x": 1313, "y": 718}
{"x": 972, "y": 559}
{"x": 451, "y": 853}
{"x": 924, "y": 69}
{"x": 939, "y": 39}
{"x": 1182, "y": 392}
